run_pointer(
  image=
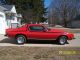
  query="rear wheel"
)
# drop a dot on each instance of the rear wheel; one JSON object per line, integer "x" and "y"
{"x": 21, "y": 39}
{"x": 62, "y": 40}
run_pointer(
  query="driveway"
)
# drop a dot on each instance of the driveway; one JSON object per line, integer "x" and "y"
{"x": 5, "y": 41}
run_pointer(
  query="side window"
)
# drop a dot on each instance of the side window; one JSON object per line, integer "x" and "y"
{"x": 36, "y": 28}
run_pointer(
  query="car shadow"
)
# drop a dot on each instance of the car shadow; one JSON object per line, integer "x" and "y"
{"x": 8, "y": 40}
{"x": 13, "y": 41}
{"x": 42, "y": 42}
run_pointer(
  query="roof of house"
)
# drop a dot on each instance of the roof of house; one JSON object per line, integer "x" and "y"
{"x": 2, "y": 9}
{"x": 6, "y": 7}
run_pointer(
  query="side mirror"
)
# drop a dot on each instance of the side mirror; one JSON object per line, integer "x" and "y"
{"x": 44, "y": 30}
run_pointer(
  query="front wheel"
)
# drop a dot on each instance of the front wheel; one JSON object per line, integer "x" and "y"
{"x": 20, "y": 39}
{"x": 62, "y": 40}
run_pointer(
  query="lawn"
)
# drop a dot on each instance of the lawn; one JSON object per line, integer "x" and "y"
{"x": 39, "y": 53}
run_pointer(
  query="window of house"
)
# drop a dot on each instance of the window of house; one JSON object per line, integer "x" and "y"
{"x": 10, "y": 17}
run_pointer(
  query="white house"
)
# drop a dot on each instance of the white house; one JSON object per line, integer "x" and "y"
{"x": 3, "y": 24}
{"x": 8, "y": 17}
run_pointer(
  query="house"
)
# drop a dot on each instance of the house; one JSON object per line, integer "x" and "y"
{"x": 19, "y": 18}
{"x": 75, "y": 23}
{"x": 8, "y": 17}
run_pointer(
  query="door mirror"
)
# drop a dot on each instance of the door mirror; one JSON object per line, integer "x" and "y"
{"x": 44, "y": 30}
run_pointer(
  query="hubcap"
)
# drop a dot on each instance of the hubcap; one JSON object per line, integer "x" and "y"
{"x": 62, "y": 40}
{"x": 20, "y": 39}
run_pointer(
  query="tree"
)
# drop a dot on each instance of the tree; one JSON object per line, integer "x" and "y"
{"x": 32, "y": 10}
{"x": 65, "y": 10}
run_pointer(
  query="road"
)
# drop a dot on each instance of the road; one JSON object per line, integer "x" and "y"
{"x": 5, "y": 41}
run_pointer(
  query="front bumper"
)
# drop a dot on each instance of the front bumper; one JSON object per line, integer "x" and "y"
{"x": 71, "y": 36}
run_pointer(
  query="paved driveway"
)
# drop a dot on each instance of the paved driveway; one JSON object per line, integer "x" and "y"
{"x": 4, "y": 41}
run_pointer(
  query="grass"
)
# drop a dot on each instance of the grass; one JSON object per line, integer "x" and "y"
{"x": 37, "y": 53}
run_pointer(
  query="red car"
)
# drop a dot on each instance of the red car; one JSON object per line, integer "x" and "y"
{"x": 38, "y": 32}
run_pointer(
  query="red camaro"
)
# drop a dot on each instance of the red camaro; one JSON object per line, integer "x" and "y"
{"x": 38, "y": 32}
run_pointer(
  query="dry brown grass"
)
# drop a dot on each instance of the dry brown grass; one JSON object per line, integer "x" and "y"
{"x": 36, "y": 53}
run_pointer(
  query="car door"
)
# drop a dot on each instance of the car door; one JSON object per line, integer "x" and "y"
{"x": 39, "y": 32}
{"x": 35, "y": 32}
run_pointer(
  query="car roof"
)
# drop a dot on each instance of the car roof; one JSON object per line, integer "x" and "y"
{"x": 31, "y": 25}
{"x": 34, "y": 24}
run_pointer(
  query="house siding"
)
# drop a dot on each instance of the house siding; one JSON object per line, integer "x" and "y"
{"x": 8, "y": 17}
{"x": 3, "y": 25}
{"x": 76, "y": 24}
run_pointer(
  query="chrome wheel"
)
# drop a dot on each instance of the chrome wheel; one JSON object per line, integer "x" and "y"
{"x": 20, "y": 39}
{"x": 62, "y": 40}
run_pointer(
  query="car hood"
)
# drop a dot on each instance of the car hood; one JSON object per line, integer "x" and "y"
{"x": 56, "y": 30}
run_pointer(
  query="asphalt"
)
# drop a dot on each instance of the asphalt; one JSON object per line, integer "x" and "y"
{"x": 5, "y": 41}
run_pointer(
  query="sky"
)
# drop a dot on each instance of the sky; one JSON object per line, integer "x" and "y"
{"x": 47, "y": 3}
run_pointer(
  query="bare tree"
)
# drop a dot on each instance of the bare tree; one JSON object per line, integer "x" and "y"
{"x": 65, "y": 10}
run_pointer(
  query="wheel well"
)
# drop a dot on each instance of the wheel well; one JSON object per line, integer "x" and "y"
{"x": 62, "y": 35}
{"x": 20, "y": 34}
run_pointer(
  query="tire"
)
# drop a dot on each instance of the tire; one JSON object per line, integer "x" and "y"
{"x": 20, "y": 39}
{"x": 62, "y": 40}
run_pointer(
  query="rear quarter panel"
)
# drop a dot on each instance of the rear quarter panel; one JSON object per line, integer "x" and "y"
{"x": 13, "y": 32}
